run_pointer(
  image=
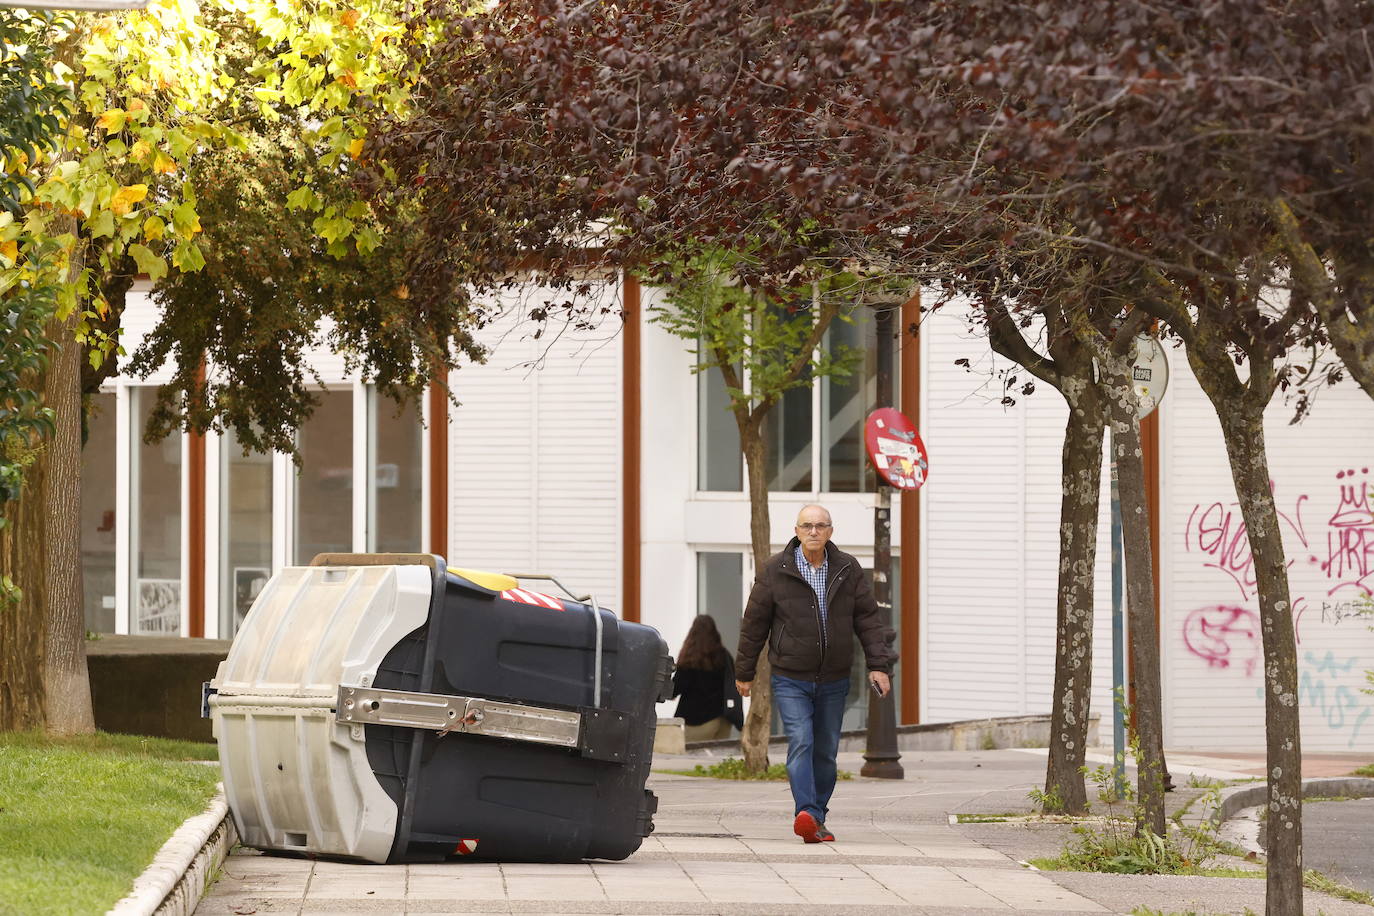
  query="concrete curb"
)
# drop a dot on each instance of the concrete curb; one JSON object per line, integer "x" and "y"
{"x": 1238, "y": 797}
{"x": 1237, "y": 814}
{"x": 173, "y": 883}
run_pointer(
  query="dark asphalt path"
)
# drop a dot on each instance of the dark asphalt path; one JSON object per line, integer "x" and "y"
{"x": 1338, "y": 840}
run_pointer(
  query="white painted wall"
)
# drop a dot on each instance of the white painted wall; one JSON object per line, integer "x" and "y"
{"x": 668, "y": 449}
{"x": 1211, "y": 635}
{"x": 535, "y": 453}
{"x": 991, "y": 536}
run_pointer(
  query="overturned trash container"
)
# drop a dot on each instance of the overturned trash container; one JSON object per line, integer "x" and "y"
{"x": 387, "y": 708}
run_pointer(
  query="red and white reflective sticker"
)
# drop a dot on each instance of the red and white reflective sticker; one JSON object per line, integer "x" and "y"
{"x": 525, "y": 596}
{"x": 465, "y": 847}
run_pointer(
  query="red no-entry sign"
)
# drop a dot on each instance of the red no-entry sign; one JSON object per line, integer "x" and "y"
{"x": 896, "y": 449}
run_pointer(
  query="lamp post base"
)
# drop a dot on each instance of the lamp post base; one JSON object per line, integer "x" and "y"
{"x": 882, "y": 767}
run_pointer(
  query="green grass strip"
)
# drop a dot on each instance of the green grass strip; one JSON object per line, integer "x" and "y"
{"x": 81, "y": 818}
{"x": 1317, "y": 881}
{"x": 733, "y": 768}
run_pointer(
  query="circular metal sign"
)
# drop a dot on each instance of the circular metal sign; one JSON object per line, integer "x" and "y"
{"x": 896, "y": 449}
{"x": 1149, "y": 374}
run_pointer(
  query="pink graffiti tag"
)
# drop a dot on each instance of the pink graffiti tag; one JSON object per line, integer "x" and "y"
{"x": 1223, "y": 634}
{"x": 1350, "y": 538}
{"x": 1220, "y": 534}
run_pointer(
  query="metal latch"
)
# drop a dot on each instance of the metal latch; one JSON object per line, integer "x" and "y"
{"x": 467, "y": 715}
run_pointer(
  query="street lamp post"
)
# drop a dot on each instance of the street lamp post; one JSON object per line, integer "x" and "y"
{"x": 881, "y": 757}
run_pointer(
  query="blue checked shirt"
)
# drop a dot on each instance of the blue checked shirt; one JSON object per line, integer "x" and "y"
{"x": 815, "y": 577}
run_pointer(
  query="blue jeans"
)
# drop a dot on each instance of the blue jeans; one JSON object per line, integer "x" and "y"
{"x": 811, "y": 714}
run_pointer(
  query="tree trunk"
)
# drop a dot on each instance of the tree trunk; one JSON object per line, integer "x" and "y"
{"x": 758, "y": 726}
{"x": 66, "y": 684}
{"x": 1140, "y": 611}
{"x": 1240, "y": 409}
{"x": 1244, "y": 434}
{"x": 21, "y": 623}
{"x": 1082, "y": 484}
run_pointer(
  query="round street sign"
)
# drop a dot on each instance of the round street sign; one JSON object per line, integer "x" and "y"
{"x": 1149, "y": 374}
{"x": 896, "y": 449}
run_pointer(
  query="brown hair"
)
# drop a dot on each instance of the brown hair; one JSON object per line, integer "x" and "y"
{"x": 702, "y": 649}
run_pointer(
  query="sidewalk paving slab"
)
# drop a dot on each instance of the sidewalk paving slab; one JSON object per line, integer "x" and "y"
{"x": 726, "y": 848}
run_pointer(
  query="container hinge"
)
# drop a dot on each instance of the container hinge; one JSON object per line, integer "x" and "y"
{"x": 665, "y": 678}
{"x": 206, "y": 692}
{"x": 605, "y": 734}
{"x": 444, "y": 713}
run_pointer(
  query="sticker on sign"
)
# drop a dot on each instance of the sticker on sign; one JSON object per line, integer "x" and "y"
{"x": 896, "y": 449}
{"x": 1149, "y": 374}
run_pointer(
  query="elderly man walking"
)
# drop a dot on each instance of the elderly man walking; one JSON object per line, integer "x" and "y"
{"x": 808, "y": 603}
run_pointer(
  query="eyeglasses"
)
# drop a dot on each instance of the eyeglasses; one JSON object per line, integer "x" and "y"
{"x": 813, "y": 526}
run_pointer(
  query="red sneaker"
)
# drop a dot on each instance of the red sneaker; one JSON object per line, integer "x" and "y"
{"x": 825, "y": 835}
{"x": 805, "y": 826}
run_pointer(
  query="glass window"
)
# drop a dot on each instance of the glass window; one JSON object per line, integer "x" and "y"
{"x": 788, "y": 434}
{"x": 719, "y": 460}
{"x": 245, "y": 530}
{"x": 155, "y": 542}
{"x": 846, "y": 403}
{"x": 720, "y": 593}
{"x": 98, "y": 513}
{"x": 324, "y": 481}
{"x": 787, "y": 427}
{"x": 394, "y": 486}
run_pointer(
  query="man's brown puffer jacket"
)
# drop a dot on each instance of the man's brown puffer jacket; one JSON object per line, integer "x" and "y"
{"x": 782, "y": 610}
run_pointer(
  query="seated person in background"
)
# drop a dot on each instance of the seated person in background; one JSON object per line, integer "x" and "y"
{"x": 705, "y": 680}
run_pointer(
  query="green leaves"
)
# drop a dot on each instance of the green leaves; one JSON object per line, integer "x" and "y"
{"x": 149, "y": 263}
{"x": 303, "y": 198}
{"x": 333, "y": 228}
{"x": 101, "y": 225}
{"x": 769, "y": 338}
{"x": 187, "y": 256}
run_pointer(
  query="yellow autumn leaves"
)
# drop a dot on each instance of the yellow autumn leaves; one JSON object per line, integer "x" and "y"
{"x": 124, "y": 199}
{"x": 114, "y": 120}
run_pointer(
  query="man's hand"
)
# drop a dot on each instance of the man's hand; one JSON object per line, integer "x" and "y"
{"x": 882, "y": 680}
{"x": 743, "y": 687}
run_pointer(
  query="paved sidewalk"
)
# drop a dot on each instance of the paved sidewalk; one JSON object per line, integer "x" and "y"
{"x": 726, "y": 848}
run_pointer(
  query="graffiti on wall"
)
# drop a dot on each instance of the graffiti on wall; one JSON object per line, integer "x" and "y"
{"x": 1338, "y": 576}
{"x": 1349, "y": 562}
{"x": 1223, "y": 636}
{"x": 1217, "y": 532}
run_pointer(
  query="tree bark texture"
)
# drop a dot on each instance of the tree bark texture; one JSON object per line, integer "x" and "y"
{"x": 1140, "y": 599}
{"x": 66, "y": 684}
{"x": 1240, "y": 407}
{"x": 21, "y": 624}
{"x": 1244, "y": 433}
{"x": 758, "y": 726}
{"x": 1070, "y": 370}
{"x": 1081, "y": 473}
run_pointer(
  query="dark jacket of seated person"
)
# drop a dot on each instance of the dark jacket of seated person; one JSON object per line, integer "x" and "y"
{"x": 704, "y": 682}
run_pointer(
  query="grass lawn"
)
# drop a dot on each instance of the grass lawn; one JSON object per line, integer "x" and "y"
{"x": 80, "y": 818}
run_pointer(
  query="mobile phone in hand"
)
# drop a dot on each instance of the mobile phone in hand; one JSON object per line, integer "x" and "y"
{"x": 876, "y": 689}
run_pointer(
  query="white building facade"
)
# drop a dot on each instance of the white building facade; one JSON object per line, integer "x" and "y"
{"x": 601, "y": 458}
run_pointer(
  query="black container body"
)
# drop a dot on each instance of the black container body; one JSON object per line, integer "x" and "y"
{"x": 502, "y": 800}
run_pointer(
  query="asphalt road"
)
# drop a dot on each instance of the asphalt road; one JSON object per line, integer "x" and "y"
{"x": 1336, "y": 840}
